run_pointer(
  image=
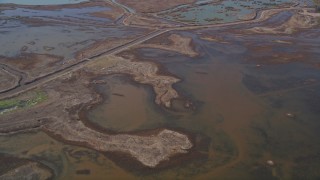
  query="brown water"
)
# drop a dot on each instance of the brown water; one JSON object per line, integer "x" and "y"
{"x": 64, "y": 159}
{"x": 127, "y": 106}
{"x": 240, "y": 109}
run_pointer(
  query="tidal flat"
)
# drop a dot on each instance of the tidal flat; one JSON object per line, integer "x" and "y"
{"x": 107, "y": 89}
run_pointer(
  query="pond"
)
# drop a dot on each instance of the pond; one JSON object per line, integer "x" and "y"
{"x": 208, "y": 12}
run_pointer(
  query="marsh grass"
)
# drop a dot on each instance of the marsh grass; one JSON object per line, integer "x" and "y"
{"x": 12, "y": 104}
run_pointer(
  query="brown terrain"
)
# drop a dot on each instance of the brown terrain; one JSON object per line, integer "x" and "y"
{"x": 173, "y": 42}
{"x": 34, "y": 65}
{"x": 297, "y": 22}
{"x": 142, "y": 72}
{"x": 114, "y": 14}
{"x": 100, "y": 47}
{"x": 152, "y": 6}
{"x": 249, "y": 16}
{"x": 30, "y": 170}
{"x": 62, "y": 120}
{"x": 212, "y": 38}
{"x": 7, "y": 80}
{"x": 71, "y": 94}
{"x": 145, "y": 21}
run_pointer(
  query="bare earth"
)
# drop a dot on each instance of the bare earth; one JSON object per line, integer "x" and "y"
{"x": 28, "y": 171}
{"x": 145, "y": 21}
{"x": 71, "y": 94}
{"x": 296, "y": 22}
{"x": 7, "y": 80}
{"x": 61, "y": 119}
{"x": 178, "y": 43}
{"x": 142, "y": 72}
{"x": 150, "y": 6}
{"x": 34, "y": 65}
{"x": 99, "y": 47}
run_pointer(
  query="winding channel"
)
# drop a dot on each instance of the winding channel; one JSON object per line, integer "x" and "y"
{"x": 21, "y": 76}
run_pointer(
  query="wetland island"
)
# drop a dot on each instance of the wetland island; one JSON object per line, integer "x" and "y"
{"x": 172, "y": 89}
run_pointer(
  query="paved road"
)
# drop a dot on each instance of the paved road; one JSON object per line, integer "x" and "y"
{"x": 49, "y": 77}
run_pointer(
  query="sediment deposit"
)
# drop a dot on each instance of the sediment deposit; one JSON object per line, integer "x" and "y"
{"x": 100, "y": 47}
{"x": 70, "y": 94}
{"x": 144, "y": 20}
{"x": 149, "y": 150}
{"x": 142, "y": 72}
{"x": 7, "y": 80}
{"x": 153, "y": 5}
{"x": 34, "y": 65}
{"x": 296, "y": 22}
{"x": 30, "y": 170}
{"x": 178, "y": 43}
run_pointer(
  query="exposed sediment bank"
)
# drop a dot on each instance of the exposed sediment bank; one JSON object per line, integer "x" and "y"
{"x": 296, "y": 22}
{"x": 153, "y": 5}
{"x": 8, "y": 80}
{"x": 149, "y": 150}
{"x": 71, "y": 93}
{"x": 178, "y": 43}
{"x": 145, "y": 21}
{"x": 142, "y": 72}
{"x": 30, "y": 170}
{"x": 61, "y": 118}
{"x": 34, "y": 65}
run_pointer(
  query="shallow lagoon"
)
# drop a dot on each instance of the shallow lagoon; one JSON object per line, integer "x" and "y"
{"x": 71, "y": 14}
{"x": 63, "y": 40}
{"x": 245, "y": 127}
{"x": 222, "y": 12}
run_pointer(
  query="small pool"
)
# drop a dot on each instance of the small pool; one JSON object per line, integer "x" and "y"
{"x": 41, "y": 2}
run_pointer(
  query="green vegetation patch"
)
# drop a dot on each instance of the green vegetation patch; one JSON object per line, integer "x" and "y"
{"x": 29, "y": 100}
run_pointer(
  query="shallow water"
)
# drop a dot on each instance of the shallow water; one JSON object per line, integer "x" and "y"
{"x": 60, "y": 40}
{"x": 241, "y": 111}
{"x": 70, "y": 14}
{"x": 247, "y": 127}
{"x": 222, "y": 12}
{"x": 41, "y": 2}
{"x": 75, "y": 29}
{"x": 64, "y": 160}
{"x": 127, "y": 107}
{"x": 130, "y": 10}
